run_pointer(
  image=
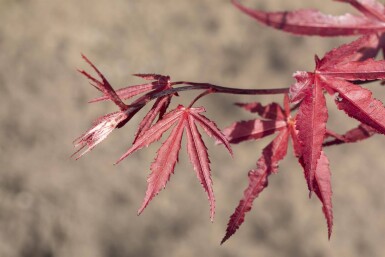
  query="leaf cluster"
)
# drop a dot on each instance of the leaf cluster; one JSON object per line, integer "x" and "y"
{"x": 343, "y": 74}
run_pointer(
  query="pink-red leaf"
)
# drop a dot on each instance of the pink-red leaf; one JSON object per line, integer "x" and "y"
{"x": 197, "y": 152}
{"x": 313, "y": 22}
{"x": 322, "y": 188}
{"x": 370, "y": 8}
{"x": 210, "y": 127}
{"x": 130, "y": 91}
{"x": 358, "y": 103}
{"x": 164, "y": 164}
{"x": 159, "y": 108}
{"x": 267, "y": 164}
{"x": 104, "y": 86}
{"x": 311, "y": 126}
{"x": 299, "y": 89}
{"x": 357, "y": 70}
{"x": 360, "y": 49}
{"x": 154, "y": 133}
{"x": 102, "y": 127}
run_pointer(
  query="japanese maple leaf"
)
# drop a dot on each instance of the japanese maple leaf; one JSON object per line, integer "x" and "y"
{"x": 334, "y": 74}
{"x": 371, "y": 20}
{"x": 105, "y": 124}
{"x": 159, "y": 83}
{"x": 271, "y": 155}
{"x": 312, "y": 22}
{"x": 361, "y": 132}
{"x": 181, "y": 119}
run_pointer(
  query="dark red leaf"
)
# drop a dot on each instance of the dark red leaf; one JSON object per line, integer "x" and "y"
{"x": 267, "y": 164}
{"x": 271, "y": 111}
{"x": 354, "y": 135}
{"x": 152, "y": 76}
{"x": 252, "y": 129}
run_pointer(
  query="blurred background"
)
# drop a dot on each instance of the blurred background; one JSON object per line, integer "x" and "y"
{"x": 54, "y": 206}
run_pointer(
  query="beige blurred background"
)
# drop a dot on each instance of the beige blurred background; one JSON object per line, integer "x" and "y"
{"x": 54, "y": 206}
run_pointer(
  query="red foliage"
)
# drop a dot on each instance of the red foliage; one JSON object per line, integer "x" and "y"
{"x": 302, "y": 116}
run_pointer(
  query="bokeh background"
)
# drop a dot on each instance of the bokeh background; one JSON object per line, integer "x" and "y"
{"x": 54, "y": 206}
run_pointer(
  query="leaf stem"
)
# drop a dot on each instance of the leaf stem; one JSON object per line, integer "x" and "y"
{"x": 211, "y": 88}
{"x": 200, "y": 96}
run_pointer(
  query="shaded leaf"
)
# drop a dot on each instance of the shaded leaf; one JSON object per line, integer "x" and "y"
{"x": 354, "y": 135}
{"x": 252, "y": 130}
{"x": 160, "y": 106}
{"x": 271, "y": 111}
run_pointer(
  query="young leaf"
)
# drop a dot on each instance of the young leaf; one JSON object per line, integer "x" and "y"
{"x": 103, "y": 85}
{"x": 161, "y": 82}
{"x": 160, "y": 106}
{"x": 128, "y": 92}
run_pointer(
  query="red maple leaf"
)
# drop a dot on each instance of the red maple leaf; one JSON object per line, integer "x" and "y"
{"x": 182, "y": 119}
{"x": 271, "y": 155}
{"x": 159, "y": 83}
{"x": 359, "y": 133}
{"x": 334, "y": 74}
{"x": 311, "y": 22}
